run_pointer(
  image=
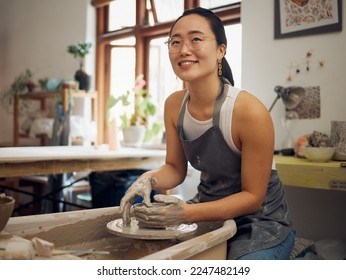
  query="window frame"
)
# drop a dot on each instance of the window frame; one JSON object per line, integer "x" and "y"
{"x": 143, "y": 33}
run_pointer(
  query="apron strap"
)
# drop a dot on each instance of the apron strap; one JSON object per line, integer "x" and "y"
{"x": 218, "y": 103}
{"x": 182, "y": 111}
{"x": 217, "y": 107}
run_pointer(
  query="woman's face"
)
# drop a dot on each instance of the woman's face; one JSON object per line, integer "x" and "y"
{"x": 189, "y": 64}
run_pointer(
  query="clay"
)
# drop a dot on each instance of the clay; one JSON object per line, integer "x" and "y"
{"x": 15, "y": 248}
{"x": 42, "y": 247}
{"x": 179, "y": 232}
{"x": 154, "y": 208}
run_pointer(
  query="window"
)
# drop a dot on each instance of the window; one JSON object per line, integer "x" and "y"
{"x": 122, "y": 65}
{"x": 166, "y": 10}
{"x": 117, "y": 10}
{"x": 127, "y": 48}
{"x": 211, "y": 4}
{"x": 233, "y": 54}
{"x": 162, "y": 80}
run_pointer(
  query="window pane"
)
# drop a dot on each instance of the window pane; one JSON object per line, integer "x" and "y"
{"x": 122, "y": 79}
{"x": 122, "y": 70}
{"x": 168, "y": 9}
{"x": 122, "y": 14}
{"x": 233, "y": 54}
{"x": 129, "y": 41}
{"x": 209, "y": 4}
{"x": 162, "y": 80}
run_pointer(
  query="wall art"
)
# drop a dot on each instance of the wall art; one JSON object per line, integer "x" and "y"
{"x": 306, "y": 17}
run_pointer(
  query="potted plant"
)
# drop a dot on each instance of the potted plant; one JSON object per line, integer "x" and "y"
{"x": 20, "y": 85}
{"x": 135, "y": 122}
{"x": 79, "y": 51}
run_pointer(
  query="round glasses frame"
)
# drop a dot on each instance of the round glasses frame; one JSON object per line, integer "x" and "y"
{"x": 194, "y": 43}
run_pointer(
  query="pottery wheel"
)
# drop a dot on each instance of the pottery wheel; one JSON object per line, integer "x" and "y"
{"x": 133, "y": 231}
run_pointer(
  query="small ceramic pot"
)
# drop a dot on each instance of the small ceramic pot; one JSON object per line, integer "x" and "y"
{"x": 6, "y": 209}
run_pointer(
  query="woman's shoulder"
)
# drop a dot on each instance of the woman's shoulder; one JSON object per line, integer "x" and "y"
{"x": 247, "y": 100}
{"x": 176, "y": 98}
{"x": 248, "y": 106}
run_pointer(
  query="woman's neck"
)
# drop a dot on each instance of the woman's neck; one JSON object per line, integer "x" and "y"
{"x": 202, "y": 98}
{"x": 205, "y": 91}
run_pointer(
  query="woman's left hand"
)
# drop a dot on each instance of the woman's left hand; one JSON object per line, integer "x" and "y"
{"x": 170, "y": 214}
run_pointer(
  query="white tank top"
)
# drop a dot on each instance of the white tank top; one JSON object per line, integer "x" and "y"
{"x": 194, "y": 128}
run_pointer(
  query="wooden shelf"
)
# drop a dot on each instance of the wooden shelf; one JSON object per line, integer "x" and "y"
{"x": 300, "y": 172}
{"x": 42, "y": 98}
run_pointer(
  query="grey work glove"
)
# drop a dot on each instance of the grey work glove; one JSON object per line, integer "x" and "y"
{"x": 140, "y": 188}
{"x": 169, "y": 212}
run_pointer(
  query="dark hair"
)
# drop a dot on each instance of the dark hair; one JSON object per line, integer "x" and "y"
{"x": 218, "y": 29}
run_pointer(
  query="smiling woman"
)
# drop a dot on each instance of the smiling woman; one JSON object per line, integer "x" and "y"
{"x": 227, "y": 134}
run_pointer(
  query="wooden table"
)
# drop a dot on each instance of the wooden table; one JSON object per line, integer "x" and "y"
{"x": 46, "y": 160}
{"x": 26, "y": 161}
{"x": 300, "y": 172}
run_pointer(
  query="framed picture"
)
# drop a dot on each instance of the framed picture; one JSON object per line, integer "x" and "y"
{"x": 306, "y": 17}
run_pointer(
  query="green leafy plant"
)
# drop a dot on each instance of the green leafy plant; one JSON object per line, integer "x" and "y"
{"x": 43, "y": 83}
{"x": 18, "y": 86}
{"x": 143, "y": 108}
{"x": 79, "y": 51}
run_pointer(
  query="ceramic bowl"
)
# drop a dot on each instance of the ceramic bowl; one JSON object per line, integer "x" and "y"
{"x": 6, "y": 209}
{"x": 318, "y": 154}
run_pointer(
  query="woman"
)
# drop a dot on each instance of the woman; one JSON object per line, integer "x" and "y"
{"x": 228, "y": 135}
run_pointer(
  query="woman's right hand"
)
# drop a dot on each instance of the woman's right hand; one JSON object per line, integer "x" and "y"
{"x": 140, "y": 188}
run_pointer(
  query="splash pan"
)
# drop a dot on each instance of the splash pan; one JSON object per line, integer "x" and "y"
{"x": 87, "y": 230}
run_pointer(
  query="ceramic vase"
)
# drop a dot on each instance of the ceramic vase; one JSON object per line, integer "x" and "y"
{"x": 338, "y": 139}
{"x": 83, "y": 79}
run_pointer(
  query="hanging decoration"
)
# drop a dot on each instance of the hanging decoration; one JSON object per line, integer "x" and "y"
{"x": 308, "y": 64}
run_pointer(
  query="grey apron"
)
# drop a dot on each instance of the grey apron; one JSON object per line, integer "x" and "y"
{"x": 221, "y": 177}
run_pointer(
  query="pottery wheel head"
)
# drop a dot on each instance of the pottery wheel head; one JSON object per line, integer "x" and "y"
{"x": 181, "y": 231}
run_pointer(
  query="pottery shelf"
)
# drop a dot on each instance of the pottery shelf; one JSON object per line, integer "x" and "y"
{"x": 42, "y": 97}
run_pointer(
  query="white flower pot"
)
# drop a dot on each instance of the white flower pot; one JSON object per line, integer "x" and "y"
{"x": 133, "y": 135}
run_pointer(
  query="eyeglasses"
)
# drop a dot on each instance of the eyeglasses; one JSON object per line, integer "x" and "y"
{"x": 194, "y": 43}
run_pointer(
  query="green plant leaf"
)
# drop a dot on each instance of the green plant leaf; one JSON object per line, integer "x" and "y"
{"x": 111, "y": 102}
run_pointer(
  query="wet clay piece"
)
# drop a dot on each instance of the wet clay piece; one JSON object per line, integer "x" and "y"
{"x": 134, "y": 231}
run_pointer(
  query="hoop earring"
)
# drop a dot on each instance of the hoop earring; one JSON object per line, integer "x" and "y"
{"x": 220, "y": 68}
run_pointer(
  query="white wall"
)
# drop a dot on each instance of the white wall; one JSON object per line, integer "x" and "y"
{"x": 34, "y": 34}
{"x": 265, "y": 64}
{"x": 316, "y": 214}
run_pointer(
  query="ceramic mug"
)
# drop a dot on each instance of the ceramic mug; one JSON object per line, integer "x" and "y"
{"x": 338, "y": 139}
